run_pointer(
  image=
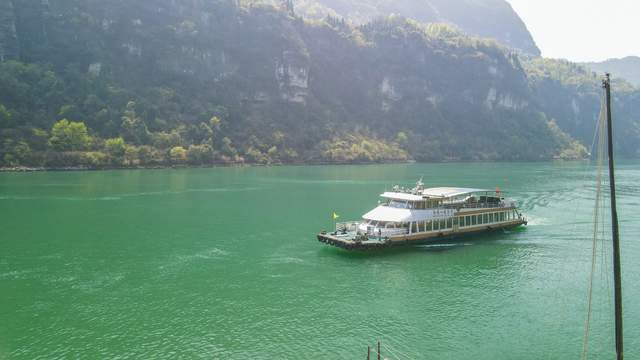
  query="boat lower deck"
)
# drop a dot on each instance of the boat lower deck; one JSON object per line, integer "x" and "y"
{"x": 351, "y": 241}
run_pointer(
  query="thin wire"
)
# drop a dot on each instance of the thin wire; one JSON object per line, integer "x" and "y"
{"x": 384, "y": 342}
{"x": 606, "y": 270}
{"x": 393, "y": 353}
{"x": 396, "y": 340}
{"x": 396, "y": 351}
{"x": 595, "y": 131}
{"x": 596, "y": 223}
{"x": 586, "y": 167}
{"x": 605, "y": 255}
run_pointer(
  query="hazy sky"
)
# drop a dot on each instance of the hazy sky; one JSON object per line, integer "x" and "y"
{"x": 583, "y": 30}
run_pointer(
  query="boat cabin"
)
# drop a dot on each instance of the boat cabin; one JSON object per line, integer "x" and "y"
{"x": 422, "y": 215}
{"x": 435, "y": 210}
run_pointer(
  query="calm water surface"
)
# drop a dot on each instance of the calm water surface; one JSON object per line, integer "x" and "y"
{"x": 223, "y": 264}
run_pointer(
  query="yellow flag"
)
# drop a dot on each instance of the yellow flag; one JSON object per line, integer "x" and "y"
{"x": 335, "y": 216}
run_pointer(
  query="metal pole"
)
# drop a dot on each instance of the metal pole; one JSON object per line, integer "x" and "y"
{"x": 617, "y": 277}
{"x": 378, "y": 350}
{"x": 368, "y": 352}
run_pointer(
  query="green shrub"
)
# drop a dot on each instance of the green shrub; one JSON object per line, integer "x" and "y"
{"x": 69, "y": 136}
{"x": 200, "y": 154}
{"x": 178, "y": 155}
{"x": 116, "y": 149}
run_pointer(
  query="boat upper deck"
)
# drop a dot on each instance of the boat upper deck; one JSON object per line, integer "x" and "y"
{"x": 419, "y": 198}
{"x": 406, "y": 205}
{"x": 418, "y": 193}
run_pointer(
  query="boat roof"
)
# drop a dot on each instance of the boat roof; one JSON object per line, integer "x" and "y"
{"x": 447, "y": 192}
{"x": 402, "y": 196}
{"x": 385, "y": 213}
{"x": 437, "y": 192}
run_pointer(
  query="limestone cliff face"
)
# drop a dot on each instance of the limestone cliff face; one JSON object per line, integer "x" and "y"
{"x": 292, "y": 74}
{"x": 9, "y": 48}
{"x": 389, "y": 94}
{"x": 504, "y": 100}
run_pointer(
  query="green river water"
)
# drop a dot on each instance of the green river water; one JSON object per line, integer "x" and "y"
{"x": 223, "y": 264}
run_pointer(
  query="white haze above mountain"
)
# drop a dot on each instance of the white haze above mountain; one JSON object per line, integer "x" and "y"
{"x": 582, "y": 30}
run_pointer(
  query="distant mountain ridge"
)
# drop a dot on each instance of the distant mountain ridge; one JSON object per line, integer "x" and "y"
{"x": 627, "y": 68}
{"x": 485, "y": 18}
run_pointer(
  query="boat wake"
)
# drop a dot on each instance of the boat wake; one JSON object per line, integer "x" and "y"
{"x": 285, "y": 260}
{"x": 443, "y": 247}
{"x": 180, "y": 261}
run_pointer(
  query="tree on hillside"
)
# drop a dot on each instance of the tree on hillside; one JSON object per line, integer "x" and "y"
{"x": 227, "y": 148}
{"x": 116, "y": 149}
{"x": 134, "y": 130}
{"x": 14, "y": 153}
{"x": 200, "y": 134}
{"x": 215, "y": 123}
{"x": 5, "y": 117}
{"x": 200, "y": 154}
{"x": 69, "y": 136}
{"x": 178, "y": 155}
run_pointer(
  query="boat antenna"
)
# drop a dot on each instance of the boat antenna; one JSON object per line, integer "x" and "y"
{"x": 617, "y": 278}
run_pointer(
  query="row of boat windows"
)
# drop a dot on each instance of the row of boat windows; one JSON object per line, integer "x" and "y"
{"x": 464, "y": 221}
{"x": 420, "y": 226}
{"x": 419, "y": 205}
{"x": 461, "y": 221}
{"x": 434, "y": 203}
{"x": 471, "y": 220}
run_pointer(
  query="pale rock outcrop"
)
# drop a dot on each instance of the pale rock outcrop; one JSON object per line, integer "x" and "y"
{"x": 506, "y": 101}
{"x": 132, "y": 48}
{"x": 575, "y": 107}
{"x": 389, "y": 94}
{"x": 292, "y": 75}
{"x": 95, "y": 69}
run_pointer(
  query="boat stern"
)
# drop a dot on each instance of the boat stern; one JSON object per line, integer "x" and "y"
{"x": 352, "y": 241}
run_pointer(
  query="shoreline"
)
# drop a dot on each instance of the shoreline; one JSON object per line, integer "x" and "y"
{"x": 26, "y": 169}
{"x": 161, "y": 167}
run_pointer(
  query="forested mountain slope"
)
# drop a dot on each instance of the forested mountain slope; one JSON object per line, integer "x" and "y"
{"x": 572, "y": 94}
{"x": 627, "y": 68}
{"x": 157, "y": 82}
{"x": 485, "y": 18}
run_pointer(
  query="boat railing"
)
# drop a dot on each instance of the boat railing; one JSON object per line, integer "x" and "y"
{"x": 347, "y": 226}
{"x": 481, "y": 205}
{"x": 386, "y": 232}
{"x": 462, "y": 205}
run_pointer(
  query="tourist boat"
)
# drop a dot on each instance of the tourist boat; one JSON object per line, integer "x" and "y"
{"x": 422, "y": 215}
